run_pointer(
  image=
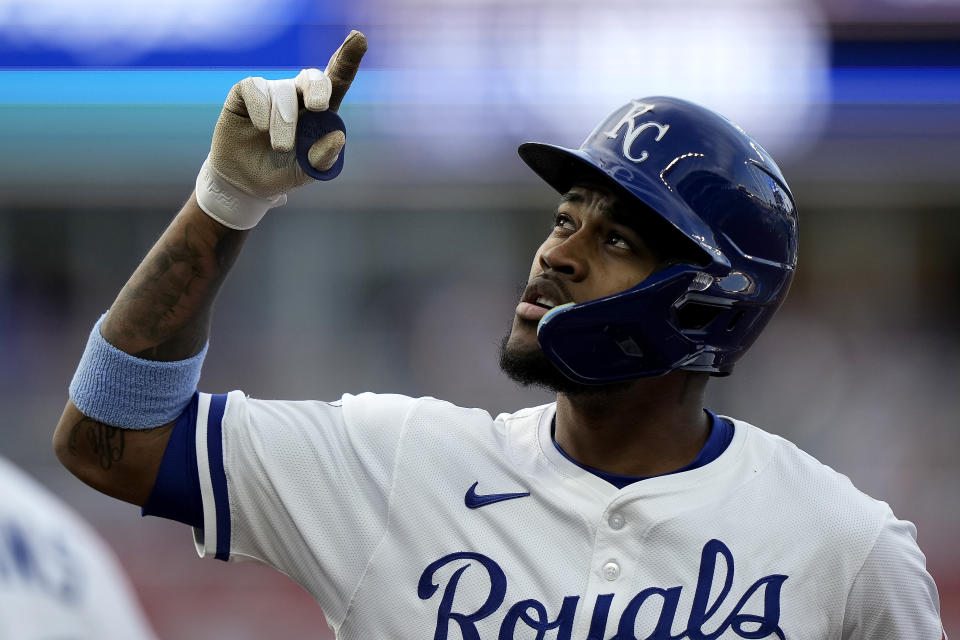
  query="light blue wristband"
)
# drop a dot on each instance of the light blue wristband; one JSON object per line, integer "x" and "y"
{"x": 121, "y": 390}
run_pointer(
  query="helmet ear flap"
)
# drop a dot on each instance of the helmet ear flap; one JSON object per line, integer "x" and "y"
{"x": 697, "y": 316}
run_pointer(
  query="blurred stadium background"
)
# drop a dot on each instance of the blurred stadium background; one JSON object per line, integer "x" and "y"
{"x": 402, "y": 275}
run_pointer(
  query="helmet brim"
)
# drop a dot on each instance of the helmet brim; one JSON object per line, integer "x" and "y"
{"x": 564, "y": 168}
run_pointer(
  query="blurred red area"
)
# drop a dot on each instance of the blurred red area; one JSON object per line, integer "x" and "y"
{"x": 187, "y": 598}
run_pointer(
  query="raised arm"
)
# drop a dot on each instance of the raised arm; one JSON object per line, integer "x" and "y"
{"x": 163, "y": 312}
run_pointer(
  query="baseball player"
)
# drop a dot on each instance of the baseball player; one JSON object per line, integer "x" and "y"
{"x": 57, "y": 578}
{"x": 624, "y": 510}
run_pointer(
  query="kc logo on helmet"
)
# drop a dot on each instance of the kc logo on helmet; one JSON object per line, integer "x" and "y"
{"x": 636, "y": 110}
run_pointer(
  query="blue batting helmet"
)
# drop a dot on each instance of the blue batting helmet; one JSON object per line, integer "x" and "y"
{"x": 702, "y": 181}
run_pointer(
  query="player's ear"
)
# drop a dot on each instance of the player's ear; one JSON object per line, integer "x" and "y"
{"x": 343, "y": 65}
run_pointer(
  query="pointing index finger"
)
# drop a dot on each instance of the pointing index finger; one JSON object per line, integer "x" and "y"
{"x": 343, "y": 66}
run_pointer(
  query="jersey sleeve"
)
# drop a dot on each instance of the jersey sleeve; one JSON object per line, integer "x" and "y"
{"x": 893, "y": 597}
{"x": 301, "y": 486}
{"x": 176, "y": 490}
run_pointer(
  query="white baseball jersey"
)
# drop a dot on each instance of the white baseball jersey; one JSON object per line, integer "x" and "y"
{"x": 414, "y": 519}
{"x": 58, "y": 581}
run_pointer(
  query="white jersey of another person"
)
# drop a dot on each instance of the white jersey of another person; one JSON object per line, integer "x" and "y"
{"x": 58, "y": 580}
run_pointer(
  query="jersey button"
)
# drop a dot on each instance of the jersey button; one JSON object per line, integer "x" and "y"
{"x": 611, "y": 571}
{"x": 616, "y": 522}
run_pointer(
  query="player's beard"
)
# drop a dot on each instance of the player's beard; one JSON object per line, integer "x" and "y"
{"x": 529, "y": 366}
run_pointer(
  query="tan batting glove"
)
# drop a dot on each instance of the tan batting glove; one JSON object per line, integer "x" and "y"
{"x": 252, "y": 163}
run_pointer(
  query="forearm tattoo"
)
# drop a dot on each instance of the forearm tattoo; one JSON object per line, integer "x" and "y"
{"x": 102, "y": 440}
{"x": 167, "y": 301}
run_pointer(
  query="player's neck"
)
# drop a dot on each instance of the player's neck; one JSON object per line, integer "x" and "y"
{"x": 649, "y": 427}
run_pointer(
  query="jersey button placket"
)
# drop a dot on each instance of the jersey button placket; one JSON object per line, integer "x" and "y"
{"x": 611, "y": 571}
{"x": 612, "y": 566}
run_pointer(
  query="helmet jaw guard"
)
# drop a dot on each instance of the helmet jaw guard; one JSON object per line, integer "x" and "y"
{"x": 718, "y": 191}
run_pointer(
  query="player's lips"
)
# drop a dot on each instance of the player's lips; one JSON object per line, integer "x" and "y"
{"x": 541, "y": 295}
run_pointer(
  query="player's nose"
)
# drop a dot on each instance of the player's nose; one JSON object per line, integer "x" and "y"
{"x": 567, "y": 257}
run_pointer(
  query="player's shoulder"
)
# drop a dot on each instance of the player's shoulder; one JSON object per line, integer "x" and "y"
{"x": 377, "y": 417}
{"x": 413, "y": 417}
{"x": 527, "y": 415}
{"x": 378, "y": 407}
{"x": 362, "y": 408}
{"x": 437, "y": 421}
{"x": 430, "y": 408}
{"x": 410, "y": 408}
{"x": 826, "y": 495}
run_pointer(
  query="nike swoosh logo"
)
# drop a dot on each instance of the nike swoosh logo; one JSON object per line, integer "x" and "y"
{"x": 475, "y": 501}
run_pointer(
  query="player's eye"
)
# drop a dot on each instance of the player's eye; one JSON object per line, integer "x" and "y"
{"x": 565, "y": 222}
{"x": 619, "y": 241}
